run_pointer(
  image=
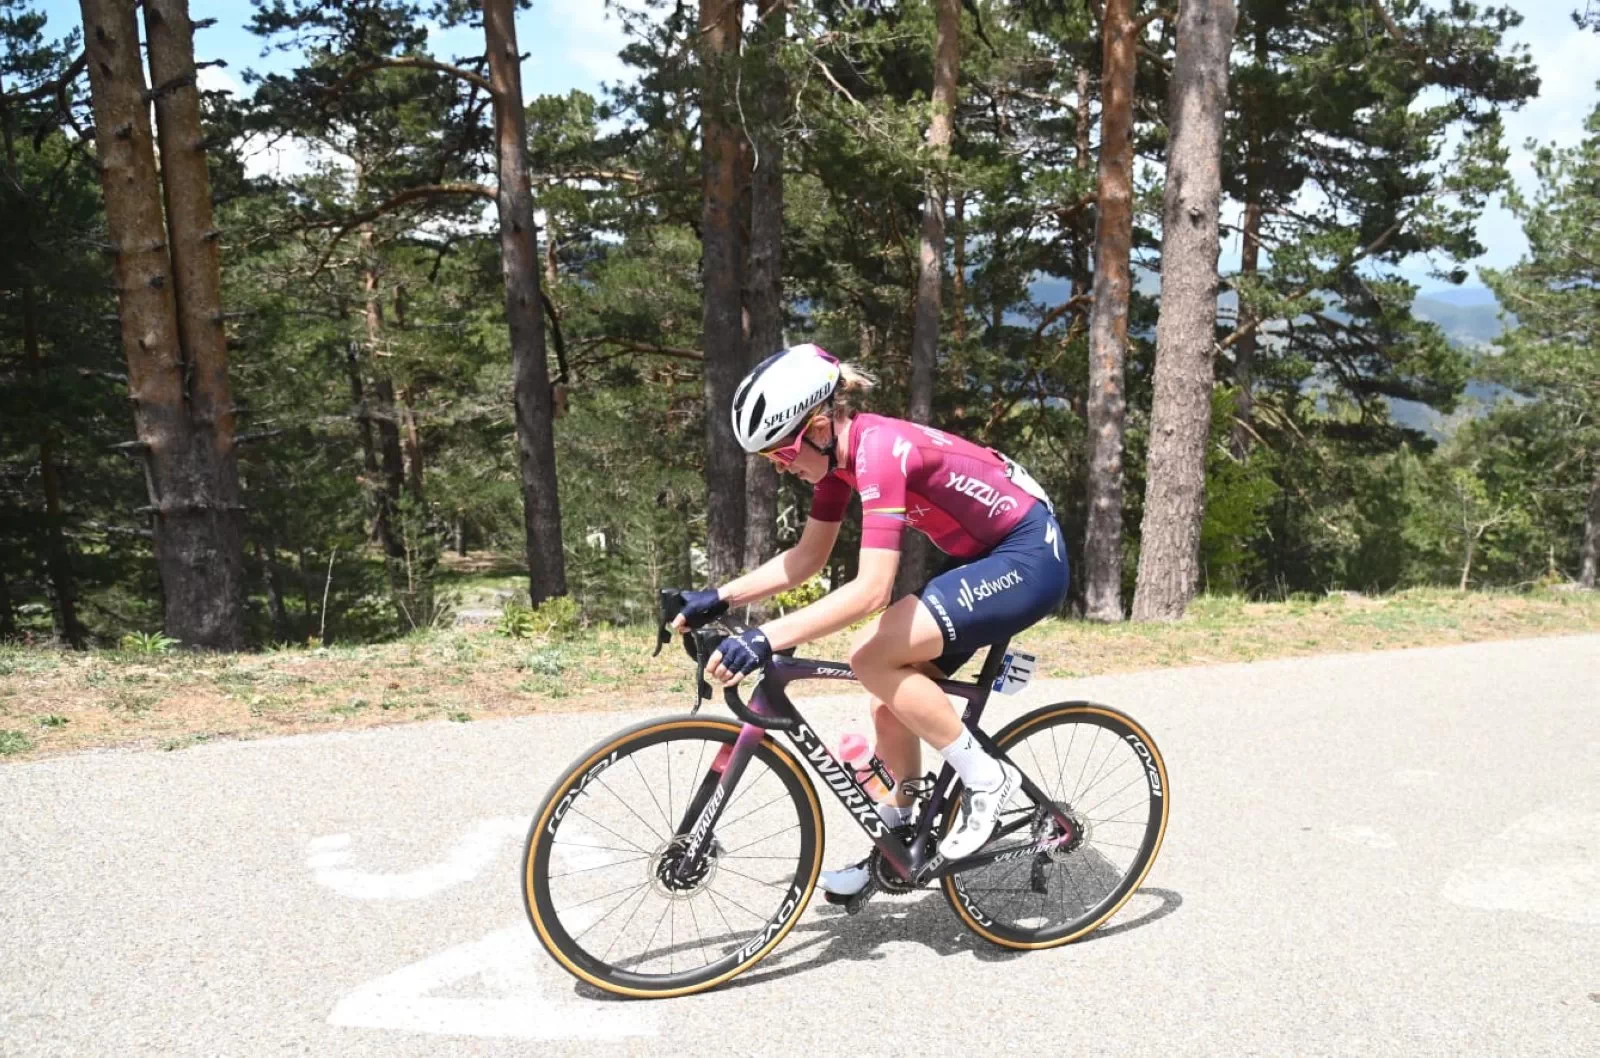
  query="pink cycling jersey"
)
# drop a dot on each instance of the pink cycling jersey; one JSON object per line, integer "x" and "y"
{"x": 960, "y": 495}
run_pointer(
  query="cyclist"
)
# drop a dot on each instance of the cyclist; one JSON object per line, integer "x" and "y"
{"x": 977, "y": 506}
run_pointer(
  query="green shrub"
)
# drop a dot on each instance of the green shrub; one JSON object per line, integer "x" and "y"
{"x": 148, "y": 643}
{"x": 557, "y": 618}
{"x": 516, "y": 621}
{"x": 14, "y": 742}
{"x": 800, "y": 595}
{"x": 545, "y": 662}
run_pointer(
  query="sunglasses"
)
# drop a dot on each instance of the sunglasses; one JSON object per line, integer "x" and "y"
{"x": 786, "y": 453}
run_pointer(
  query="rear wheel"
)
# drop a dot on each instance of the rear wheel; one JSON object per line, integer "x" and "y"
{"x": 1101, "y": 768}
{"x": 599, "y": 882}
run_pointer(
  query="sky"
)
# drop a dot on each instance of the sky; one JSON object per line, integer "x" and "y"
{"x": 574, "y": 44}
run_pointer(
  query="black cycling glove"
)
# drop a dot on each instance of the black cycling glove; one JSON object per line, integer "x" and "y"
{"x": 699, "y": 607}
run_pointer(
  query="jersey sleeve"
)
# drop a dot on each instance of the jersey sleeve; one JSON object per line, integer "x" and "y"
{"x": 884, "y": 463}
{"x": 829, "y": 499}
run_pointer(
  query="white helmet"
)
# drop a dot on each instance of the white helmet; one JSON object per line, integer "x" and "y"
{"x": 778, "y": 397}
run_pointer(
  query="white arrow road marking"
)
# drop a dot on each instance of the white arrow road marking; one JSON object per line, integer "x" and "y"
{"x": 514, "y": 1004}
{"x": 1547, "y": 863}
{"x": 328, "y": 857}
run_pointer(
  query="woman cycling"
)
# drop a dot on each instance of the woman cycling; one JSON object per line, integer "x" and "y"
{"x": 973, "y": 503}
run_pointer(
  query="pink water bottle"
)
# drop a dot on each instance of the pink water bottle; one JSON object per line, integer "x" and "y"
{"x": 870, "y": 771}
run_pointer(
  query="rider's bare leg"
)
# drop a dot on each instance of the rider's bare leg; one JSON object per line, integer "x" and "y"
{"x": 890, "y": 656}
{"x": 897, "y": 744}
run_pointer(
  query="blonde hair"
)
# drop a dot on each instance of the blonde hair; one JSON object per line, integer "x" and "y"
{"x": 854, "y": 384}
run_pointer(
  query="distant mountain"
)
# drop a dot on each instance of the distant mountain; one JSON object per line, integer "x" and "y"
{"x": 1469, "y": 316}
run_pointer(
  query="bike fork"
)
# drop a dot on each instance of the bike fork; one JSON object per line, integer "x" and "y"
{"x": 705, "y": 808}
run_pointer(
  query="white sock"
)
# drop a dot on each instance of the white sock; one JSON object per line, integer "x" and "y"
{"x": 894, "y": 815}
{"x": 977, "y": 769}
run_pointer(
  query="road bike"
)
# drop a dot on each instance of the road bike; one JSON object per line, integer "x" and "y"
{"x": 677, "y": 853}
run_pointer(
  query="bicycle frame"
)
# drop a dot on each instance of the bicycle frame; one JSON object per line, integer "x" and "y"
{"x": 919, "y": 862}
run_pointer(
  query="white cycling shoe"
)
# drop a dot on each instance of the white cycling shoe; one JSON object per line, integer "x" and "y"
{"x": 980, "y": 813}
{"x": 846, "y": 881}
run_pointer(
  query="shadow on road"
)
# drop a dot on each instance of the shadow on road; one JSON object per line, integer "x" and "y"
{"x": 924, "y": 918}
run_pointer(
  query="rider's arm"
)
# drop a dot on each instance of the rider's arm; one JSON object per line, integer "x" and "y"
{"x": 867, "y": 594}
{"x": 787, "y": 568}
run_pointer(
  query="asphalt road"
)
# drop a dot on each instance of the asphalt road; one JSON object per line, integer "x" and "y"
{"x": 1382, "y": 854}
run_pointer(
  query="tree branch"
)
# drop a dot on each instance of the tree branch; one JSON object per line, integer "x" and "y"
{"x": 1366, "y": 251}
{"x": 630, "y": 345}
{"x": 415, "y": 63}
{"x": 54, "y": 87}
{"x": 410, "y": 194}
{"x": 1166, "y": 13}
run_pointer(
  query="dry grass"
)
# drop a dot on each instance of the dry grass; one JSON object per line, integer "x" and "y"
{"x": 54, "y": 702}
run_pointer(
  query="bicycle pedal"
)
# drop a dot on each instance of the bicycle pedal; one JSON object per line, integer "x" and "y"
{"x": 854, "y": 904}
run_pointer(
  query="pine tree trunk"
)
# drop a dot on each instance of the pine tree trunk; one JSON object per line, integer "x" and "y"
{"x": 193, "y": 477}
{"x": 958, "y": 264}
{"x": 267, "y": 557}
{"x": 726, "y": 356}
{"x": 1083, "y": 223}
{"x": 1589, "y": 571}
{"x": 519, "y": 265}
{"x": 58, "y": 556}
{"x": 1180, "y": 423}
{"x": 930, "y": 274}
{"x": 390, "y": 465}
{"x": 764, "y": 279}
{"x": 916, "y": 554}
{"x": 1244, "y": 354}
{"x": 8, "y": 620}
{"x": 370, "y": 479}
{"x": 1108, "y": 321}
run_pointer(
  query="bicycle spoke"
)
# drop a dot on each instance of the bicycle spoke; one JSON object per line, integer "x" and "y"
{"x": 735, "y": 903}
{"x": 1085, "y": 769}
{"x": 1122, "y": 789}
{"x": 601, "y": 867}
{"x": 651, "y": 791}
{"x": 753, "y": 878}
{"x": 602, "y": 896}
{"x": 696, "y": 920}
{"x": 730, "y": 822}
{"x": 647, "y": 824}
{"x": 1103, "y": 761}
{"x": 614, "y": 908}
{"x": 579, "y": 845}
{"x": 758, "y": 841}
{"x": 608, "y": 830}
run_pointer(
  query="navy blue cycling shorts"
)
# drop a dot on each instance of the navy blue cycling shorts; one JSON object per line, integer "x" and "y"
{"x": 997, "y": 595}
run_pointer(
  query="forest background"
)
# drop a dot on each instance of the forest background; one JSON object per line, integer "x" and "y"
{"x": 281, "y": 341}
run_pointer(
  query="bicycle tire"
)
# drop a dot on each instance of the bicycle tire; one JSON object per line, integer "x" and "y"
{"x": 982, "y": 908}
{"x": 560, "y": 805}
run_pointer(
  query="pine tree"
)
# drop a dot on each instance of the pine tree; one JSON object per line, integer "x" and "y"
{"x": 1180, "y": 424}
{"x": 1553, "y": 355}
{"x": 179, "y": 391}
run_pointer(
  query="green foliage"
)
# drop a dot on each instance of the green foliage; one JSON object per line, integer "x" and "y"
{"x": 557, "y": 618}
{"x": 800, "y": 595}
{"x": 148, "y": 643}
{"x": 13, "y": 742}
{"x": 1239, "y": 495}
{"x": 371, "y": 363}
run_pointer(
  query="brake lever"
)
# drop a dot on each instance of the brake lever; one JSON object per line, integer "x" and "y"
{"x": 669, "y": 604}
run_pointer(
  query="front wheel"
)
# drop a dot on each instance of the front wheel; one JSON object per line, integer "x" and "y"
{"x": 1101, "y": 768}
{"x": 599, "y": 872}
